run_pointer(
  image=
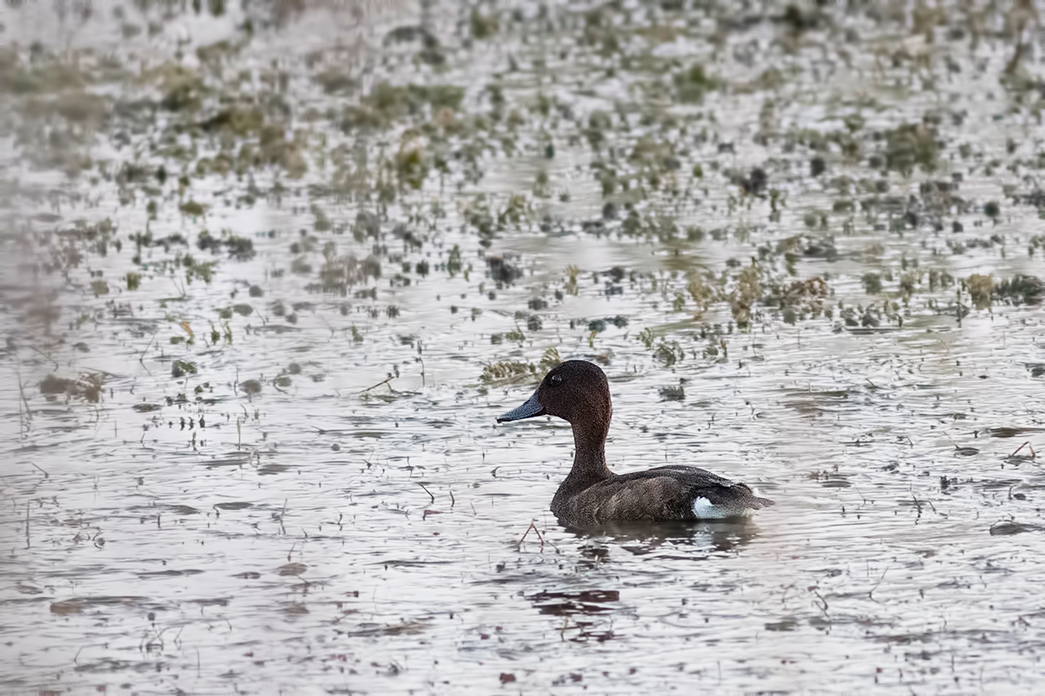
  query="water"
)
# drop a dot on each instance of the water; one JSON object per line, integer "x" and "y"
{"x": 326, "y": 502}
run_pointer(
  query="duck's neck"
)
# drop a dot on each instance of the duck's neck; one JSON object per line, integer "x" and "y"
{"x": 589, "y": 458}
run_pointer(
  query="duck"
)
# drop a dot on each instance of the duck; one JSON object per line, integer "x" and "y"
{"x": 591, "y": 495}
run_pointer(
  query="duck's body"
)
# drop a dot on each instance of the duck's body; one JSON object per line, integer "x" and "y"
{"x": 683, "y": 493}
{"x": 578, "y": 392}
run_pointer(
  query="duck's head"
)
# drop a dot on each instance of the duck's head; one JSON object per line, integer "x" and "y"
{"x": 575, "y": 390}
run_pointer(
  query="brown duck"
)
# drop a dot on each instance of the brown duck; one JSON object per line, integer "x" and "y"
{"x": 577, "y": 392}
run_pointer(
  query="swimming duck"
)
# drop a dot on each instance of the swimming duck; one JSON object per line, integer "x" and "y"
{"x": 577, "y": 391}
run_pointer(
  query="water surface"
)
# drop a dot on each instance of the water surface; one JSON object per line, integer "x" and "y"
{"x": 287, "y": 302}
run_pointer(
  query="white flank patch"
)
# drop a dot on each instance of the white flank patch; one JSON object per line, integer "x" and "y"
{"x": 704, "y": 510}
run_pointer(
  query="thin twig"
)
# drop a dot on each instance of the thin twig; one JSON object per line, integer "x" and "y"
{"x": 21, "y": 393}
{"x": 427, "y": 491}
{"x": 539, "y": 537}
{"x": 870, "y": 595}
{"x": 141, "y": 355}
{"x": 518, "y": 544}
{"x": 46, "y": 475}
{"x": 818, "y": 596}
{"x": 386, "y": 381}
{"x": 27, "y": 544}
{"x": 333, "y": 331}
{"x": 45, "y": 355}
{"x": 1028, "y": 445}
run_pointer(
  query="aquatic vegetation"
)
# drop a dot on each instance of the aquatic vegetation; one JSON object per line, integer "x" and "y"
{"x": 192, "y": 208}
{"x": 182, "y": 88}
{"x": 340, "y": 273}
{"x": 483, "y": 26}
{"x": 1020, "y": 289}
{"x": 390, "y": 102}
{"x": 872, "y": 283}
{"x": 747, "y": 291}
{"x": 702, "y": 293}
{"x": 673, "y": 393}
{"x": 668, "y": 352}
{"x": 801, "y": 299}
{"x": 502, "y": 271}
{"x": 519, "y": 371}
{"x": 412, "y": 165}
{"x": 238, "y": 248}
{"x": 910, "y": 145}
{"x": 180, "y": 368}
{"x": 87, "y": 386}
{"x": 509, "y": 371}
{"x": 980, "y": 289}
{"x": 250, "y": 386}
{"x": 693, "y": 83}
{"x": 334, "y": 81}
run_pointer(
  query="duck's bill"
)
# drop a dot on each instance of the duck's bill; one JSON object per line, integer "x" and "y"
{"x": 531, "y": 408}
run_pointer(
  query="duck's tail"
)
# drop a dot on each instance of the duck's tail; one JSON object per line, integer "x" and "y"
{"x": 756, "y": 501}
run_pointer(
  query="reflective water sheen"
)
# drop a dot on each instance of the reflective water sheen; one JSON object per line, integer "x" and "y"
{"x": 281, "y": 472}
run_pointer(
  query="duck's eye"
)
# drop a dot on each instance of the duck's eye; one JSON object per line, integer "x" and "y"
{"x": 555, "y": 380}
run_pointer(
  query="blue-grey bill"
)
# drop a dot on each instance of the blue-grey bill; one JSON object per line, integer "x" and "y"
{"x": 531, "y": 408}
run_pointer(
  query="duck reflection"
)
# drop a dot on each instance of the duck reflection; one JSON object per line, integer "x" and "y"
{"x": 643, "y": 538}
{"x": 574, "y": 607}
{"x": 581, "y": 609}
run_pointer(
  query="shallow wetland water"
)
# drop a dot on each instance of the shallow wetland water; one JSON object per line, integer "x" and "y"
{"x": 271, "y": 272}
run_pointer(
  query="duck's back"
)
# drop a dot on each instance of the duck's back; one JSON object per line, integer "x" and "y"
{"x": 662, "y": 494}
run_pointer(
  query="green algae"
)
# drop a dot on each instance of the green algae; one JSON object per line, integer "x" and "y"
{"x": 694, "y": 83}
{"x": 910, "y": 145}
{"x": 483, "y": 26}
